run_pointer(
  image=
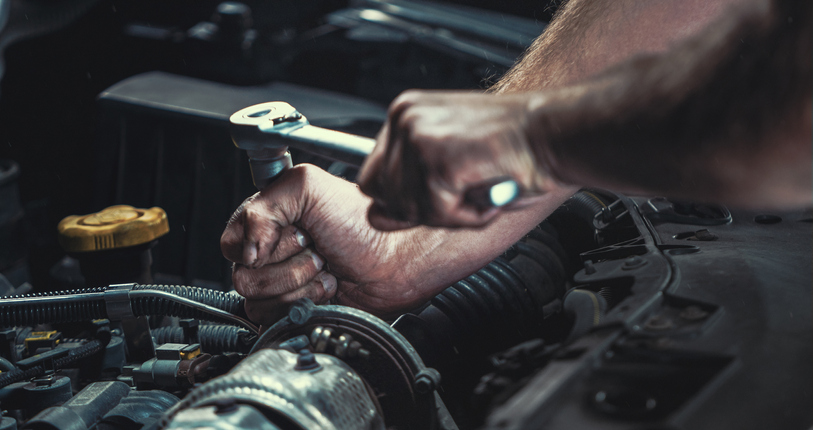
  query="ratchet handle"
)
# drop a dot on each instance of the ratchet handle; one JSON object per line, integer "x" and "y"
{"x": 335, "y": 145}
{"x": 267, "y": 130}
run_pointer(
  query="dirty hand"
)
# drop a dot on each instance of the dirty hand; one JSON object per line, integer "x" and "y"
{"x": 307, "y": 235}
{"x": 438, "y": 145}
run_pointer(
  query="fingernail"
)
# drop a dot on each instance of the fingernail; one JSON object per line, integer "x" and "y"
{"x": 318, "y": 261}
{"x": 250, "y": 254}
{"x": 300, "y": 239}
{"x": 329, "y": 282}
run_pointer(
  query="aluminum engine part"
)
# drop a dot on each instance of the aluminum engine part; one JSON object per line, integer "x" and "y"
{"x": 312, "y": 391}
{"x": 377, "y": 352}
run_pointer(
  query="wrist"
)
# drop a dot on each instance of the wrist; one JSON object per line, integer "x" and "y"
{"x": 540, "y": 131}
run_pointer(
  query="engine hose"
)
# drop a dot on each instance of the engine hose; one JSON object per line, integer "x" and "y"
{"x": 75, "y": 354}
{"x": 587, "y": 204}
{"x": 213, "y": 338}
{"x": 90, "y": 303}
{"x": 509, "y": 295}
{"x": 6, "y": 365}
{"x": 230, "y": 303}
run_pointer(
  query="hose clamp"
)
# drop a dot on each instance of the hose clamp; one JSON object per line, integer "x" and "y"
{"x": 117, "y": 301}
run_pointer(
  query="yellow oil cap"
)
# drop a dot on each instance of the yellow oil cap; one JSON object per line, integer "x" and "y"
{"x": 115, "y": 227}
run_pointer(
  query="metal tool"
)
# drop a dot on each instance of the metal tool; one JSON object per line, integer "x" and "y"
{"x": 266, "y": 130}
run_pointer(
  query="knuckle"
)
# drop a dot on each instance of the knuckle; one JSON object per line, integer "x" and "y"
{"x": 306, "y": 173}
{"x": 300, "y": 276}
{"x": 405, "y": 100}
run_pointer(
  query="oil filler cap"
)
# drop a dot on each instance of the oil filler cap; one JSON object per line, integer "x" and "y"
{"x": 116, "y": 227}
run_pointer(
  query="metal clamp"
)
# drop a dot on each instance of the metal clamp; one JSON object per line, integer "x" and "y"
{"x": 117, "y": 301}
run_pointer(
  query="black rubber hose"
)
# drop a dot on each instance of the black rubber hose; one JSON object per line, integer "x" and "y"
{"x": 75, "y": 354}
{"x": 89, "y": 304}
{"x": 213, "y": 338}
{"x": 17, "y": 375}
{"x": 6, "y": 365}
{"x": 510, "y": 295}
{"x": 588, "y": 203}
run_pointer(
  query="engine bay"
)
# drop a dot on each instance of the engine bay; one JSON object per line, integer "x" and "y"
{"x": 617, "y": 312}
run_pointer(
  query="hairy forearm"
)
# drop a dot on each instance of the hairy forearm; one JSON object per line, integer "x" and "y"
{"x": 588, "y": 36}
{"x": 723, "y": 116}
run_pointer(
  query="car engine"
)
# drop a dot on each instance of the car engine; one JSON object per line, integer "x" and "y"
{"x": 118, "y": 172}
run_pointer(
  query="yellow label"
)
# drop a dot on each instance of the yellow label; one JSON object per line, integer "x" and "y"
{"x": 190, "y": 355}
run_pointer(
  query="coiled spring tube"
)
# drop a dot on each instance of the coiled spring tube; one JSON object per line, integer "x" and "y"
{"x": 89, "y": 304}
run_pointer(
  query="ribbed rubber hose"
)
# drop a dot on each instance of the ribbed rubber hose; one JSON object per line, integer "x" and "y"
{"x": 510, "y": 296}
{"x": 89, "y": 304}
{"x": 213, "y": 338}
{"x": 513, "y": 287}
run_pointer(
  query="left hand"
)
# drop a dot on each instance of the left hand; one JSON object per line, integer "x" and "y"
{"x": 438, "y": 145}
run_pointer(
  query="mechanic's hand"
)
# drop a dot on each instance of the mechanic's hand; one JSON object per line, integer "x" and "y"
{"x": 307, "y": 235}
{"x": 438, "y": 145}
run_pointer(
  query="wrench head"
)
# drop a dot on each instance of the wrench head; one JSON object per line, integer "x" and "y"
{"x": 259, "y": 126}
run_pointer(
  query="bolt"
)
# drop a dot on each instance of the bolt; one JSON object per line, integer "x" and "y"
{"x": 423, "y": 385}
{"x": 427, "y": 380}
{"x": 299, "y": 314}
{"x": 317, "y": 332}
{"x": 44, "y": 381}
{"x": 306, "y": 360}
{"x": 342, "y": 345}
{"x": 320, "y": 339}
{"x": 589, "y": 268}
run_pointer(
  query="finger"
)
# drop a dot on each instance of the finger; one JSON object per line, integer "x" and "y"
{"x": 231, "y": 241}
{"x": 270, "y": 310}
{"x": 277, "y": 279}
{"x": 292, "y": 241}
{"x": 261, "y": 233}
